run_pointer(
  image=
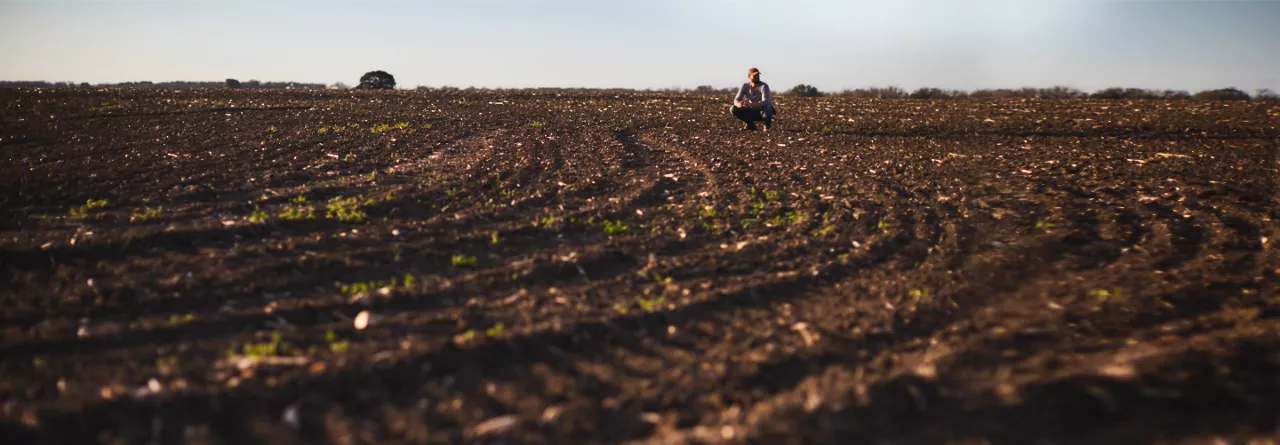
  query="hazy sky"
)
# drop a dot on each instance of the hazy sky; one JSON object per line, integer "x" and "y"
{"x": 639, "y": 44}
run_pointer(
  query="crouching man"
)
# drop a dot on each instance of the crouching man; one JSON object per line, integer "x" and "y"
{"x": 754, "y": 103}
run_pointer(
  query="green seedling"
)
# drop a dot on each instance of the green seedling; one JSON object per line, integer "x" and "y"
{"x": 323, "y": 130}
{"x": 1104, "y": 294}
{"x": 426, "y": 126}
{"x": 366, "y": 287}
{"x": 335, "y": 345}
{"x": 771, "y": 195}
{"x": 167, "y": 362}
{"x": 346, "y": 210}
{"x": 615, "y": 227}
{"x": 146, "y": 213}
{"x": 494, "y": 331}
{"x": 651, "y": 304}
{"x": 178, "y": 320}
{"x": 463, "y": 261}
{"x": 300, "y": 199}
{"x": 293, "y": 213}
{"x": 883, "y": 226}
{"x": 259, "y": 216}
{"x": 358, "y": 288}
{"x": 339, "y": 347}
{"x": 826, "y": 230}
{"x": 918, "y": 293}
{"x": 709, "y": 212}
{"x": 537, "y": 124}
{"x": 1044, "y": 225}
{"x": 273, "y": 348}
{"x": 83, "y": 211}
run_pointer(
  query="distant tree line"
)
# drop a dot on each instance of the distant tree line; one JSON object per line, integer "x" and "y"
{"x": 1057, "y": 92}
{"x": 382, "y": 80}
{"x": 229, "y": 83}
{"x": 893, "y": 92}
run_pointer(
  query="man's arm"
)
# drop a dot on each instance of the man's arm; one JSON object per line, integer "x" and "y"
{"x": 766, "y": 97}
{"x": 742, "y": 93}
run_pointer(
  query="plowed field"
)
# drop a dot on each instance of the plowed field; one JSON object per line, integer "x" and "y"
{"x": 246, "y": 267}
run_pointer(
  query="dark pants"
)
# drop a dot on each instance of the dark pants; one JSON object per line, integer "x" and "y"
{"x": 749, "y": 115}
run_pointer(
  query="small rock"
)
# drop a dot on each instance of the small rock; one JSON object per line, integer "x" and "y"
{"x": 291, "y": 417}
{"x": 496, "y": 425}
{"x": 361, "y": 321}
{"x": 551, "y": 413}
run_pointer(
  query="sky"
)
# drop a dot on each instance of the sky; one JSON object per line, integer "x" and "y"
{"x": 832, "y": 45}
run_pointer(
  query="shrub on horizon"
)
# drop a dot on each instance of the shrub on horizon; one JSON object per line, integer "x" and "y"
{"x": 805, "y": 91}
{"x": 938, "y": 93}
{"x": 890, "y": 92}
{"x": 1222, "y": 94}
{"x": 377, "y": 80}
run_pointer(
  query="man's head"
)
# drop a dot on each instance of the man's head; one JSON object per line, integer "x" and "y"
{"x": 754, "y": 75}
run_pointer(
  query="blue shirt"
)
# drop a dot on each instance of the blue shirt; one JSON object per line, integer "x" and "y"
{"x": 757, "y": 94}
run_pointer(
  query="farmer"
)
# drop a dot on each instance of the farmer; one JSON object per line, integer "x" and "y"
{"x": 754, "y": 102}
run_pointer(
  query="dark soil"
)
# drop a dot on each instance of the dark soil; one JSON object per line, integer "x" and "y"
{"x": 632, "y": 268}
